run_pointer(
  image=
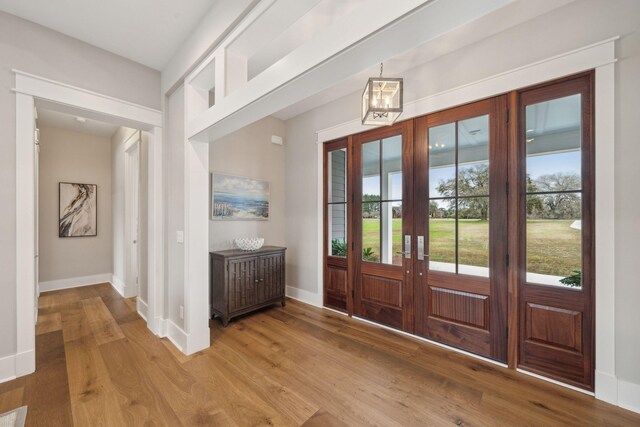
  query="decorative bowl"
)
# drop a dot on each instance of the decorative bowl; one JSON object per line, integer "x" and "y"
{"x": 249, "y": 243}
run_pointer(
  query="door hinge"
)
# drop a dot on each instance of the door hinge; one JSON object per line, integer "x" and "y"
{"x": 508, "y": 111}
{"x": 353, "y": 293}
{"x": 507, "y": 260}
{"x": 353, "y": 246}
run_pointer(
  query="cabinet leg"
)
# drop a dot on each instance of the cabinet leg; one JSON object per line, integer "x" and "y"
{"x": 225, "y": 321}
{"x": 283, "y": 302}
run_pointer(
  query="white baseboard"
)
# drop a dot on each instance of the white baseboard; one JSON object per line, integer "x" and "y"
{"x": 176, "y": 335}
{"x": 17, "y": 365}
{"x": 7, "y": 368}
{"x": 629, "y": 396}
{"x": 307, "y": 297}
{"x": 142, "y": 308}
{"x": 74, "y": 282}
{"x": 606, "y": 387}
{"x": 122, "y": 288}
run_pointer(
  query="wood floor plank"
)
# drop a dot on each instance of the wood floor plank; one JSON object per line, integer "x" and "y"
{"x": 57, "y": 298}
{"x": 143, "y": 403}
{"x": 46, "y": 392}
{"x": 11, "y": 399}
{"x": 48, "y": 323}
{"x": 104, "y": 327}
{"x": 323, "y": 418}
{"x": 120, "y": 310}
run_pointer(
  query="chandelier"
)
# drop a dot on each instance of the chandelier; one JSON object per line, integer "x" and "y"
{"x": 381, "y": 100}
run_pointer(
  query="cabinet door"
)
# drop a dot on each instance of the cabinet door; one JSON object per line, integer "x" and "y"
{"x": 271, "y": 280}
{"x": 242, "y": 283}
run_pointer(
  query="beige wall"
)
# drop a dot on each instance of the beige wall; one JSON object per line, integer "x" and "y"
{"x": 67, "y": 156}
{"x": 34, "y": 49}
{"x": 573, "y": 26}
{"x": 250, "y": 153}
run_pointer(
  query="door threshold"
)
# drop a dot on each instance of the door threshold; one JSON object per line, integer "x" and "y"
{"x": 556, "y": 382}
{"x": 448, "y": 347}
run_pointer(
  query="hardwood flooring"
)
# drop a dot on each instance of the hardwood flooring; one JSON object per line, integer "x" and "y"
{"x": 98, "y": 365}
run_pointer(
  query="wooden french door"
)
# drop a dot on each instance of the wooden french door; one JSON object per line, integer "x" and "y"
{"x": 383, "y": 225}
{"x": 461, "y": 227}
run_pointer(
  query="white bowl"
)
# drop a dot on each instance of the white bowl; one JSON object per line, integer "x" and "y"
{"x": 249, "y": 243}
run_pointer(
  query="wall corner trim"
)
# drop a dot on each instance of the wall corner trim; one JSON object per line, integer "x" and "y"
{"x": 122, "y": 288}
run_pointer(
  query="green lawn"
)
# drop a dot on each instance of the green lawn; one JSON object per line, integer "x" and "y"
{"x": 553, "y": 246}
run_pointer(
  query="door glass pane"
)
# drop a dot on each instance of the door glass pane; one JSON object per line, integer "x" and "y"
{"x": 371, "y": 171}
{"x": 442, "y": 160}
{"x": 337, "y": 229}
{"x": 338, "y": 175}
{"x": 371, "y": 231}
{"x": 553, "y": 141}
{"x": 554, "y": 239}
{"x": 553, "y": 184}
{"x": 392, "y": 168}
{"x": 442, "y": 235}
{"x": 473, "y": 156}
{"x": 391, "y": 235}
{"x": 473, "y": 236}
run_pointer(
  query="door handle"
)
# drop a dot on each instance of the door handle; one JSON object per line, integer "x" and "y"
{"x": 407, "y": 246}
{"x": 421, "y": 248}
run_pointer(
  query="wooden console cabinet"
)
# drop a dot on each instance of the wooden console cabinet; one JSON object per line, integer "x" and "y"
{"x": 244, "y": 281}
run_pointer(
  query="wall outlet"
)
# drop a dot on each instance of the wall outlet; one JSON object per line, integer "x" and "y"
{"x": 180, "y": 236}
{"x": 182, "y": 312}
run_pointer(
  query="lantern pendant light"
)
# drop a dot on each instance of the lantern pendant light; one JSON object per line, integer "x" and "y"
{"x": 381, "y": 100}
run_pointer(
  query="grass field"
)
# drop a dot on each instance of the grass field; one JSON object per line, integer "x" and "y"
{"x": 553, "y": 246}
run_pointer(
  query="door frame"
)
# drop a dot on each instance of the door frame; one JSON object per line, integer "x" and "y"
{"x": 600, "y": 57}
{"x": 29, "y": 87}
{"x": 132, "y": 153}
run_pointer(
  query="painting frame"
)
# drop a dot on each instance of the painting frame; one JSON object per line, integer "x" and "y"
{"x": 93, "y": 208}
{"x": 237, "y": 211}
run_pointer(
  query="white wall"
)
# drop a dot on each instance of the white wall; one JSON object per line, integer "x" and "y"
{"x": 249, "y": 152}
{"x": 576, "y": 25}
{"x": 118, "y": 141}
{"x": 68, "y": 156}
{"x": 35, "y": 49}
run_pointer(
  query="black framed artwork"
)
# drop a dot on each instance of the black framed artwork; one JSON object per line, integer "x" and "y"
{"x": 78, "y": 210}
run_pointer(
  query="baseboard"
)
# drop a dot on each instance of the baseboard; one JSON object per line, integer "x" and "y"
{"x": 17, "y": 365}
{"x": 8, "y": 368}
{"x": 606, "y": 387}
{"x": 176, "y": 335}
{"x": 142, "y": 308}
{"x": 304, "y": 296}
{"x": 629, "y": 396}
{"x": 122, "y": 288}
{"x": 74, "y": 282}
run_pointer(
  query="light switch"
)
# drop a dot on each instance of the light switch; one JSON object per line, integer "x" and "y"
{"x": 180, "y": 236}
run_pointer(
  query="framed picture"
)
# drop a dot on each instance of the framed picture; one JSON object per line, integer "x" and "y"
{"x": 239, "y": 198}
{"x": 78, "y": 206}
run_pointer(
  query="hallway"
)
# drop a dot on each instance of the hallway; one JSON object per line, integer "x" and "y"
{"x": 98, "y": 364}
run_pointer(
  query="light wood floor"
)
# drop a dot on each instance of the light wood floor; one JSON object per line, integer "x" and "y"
{"x": 98, "y": 365}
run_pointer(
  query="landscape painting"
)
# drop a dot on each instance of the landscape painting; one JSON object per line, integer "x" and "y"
{"x": 239, "y": 198}
{"x": 78, "y": 210}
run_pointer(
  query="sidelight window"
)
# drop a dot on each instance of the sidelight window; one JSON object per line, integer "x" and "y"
{"x": 337, "y": 202}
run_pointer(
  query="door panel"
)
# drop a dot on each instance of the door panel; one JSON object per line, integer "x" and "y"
{"x": 556, "y": 243}
{"x": 382, "y": 194}
{"x": 460, "y": 193}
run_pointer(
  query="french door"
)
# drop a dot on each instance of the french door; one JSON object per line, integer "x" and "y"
{"x": 383, "y": 225}
{"x": 461, "y": 227}
{"x": 473, "y": 227}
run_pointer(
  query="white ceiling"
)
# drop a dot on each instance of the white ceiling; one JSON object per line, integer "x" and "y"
{"x": 145, "y": 31}
{"x": 59, "y": 120}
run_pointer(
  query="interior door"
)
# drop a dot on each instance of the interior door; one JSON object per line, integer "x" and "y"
{"x": 557, "y": 248}
{"x": 383, "y": 225}
{"x": 461, "y": 227}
